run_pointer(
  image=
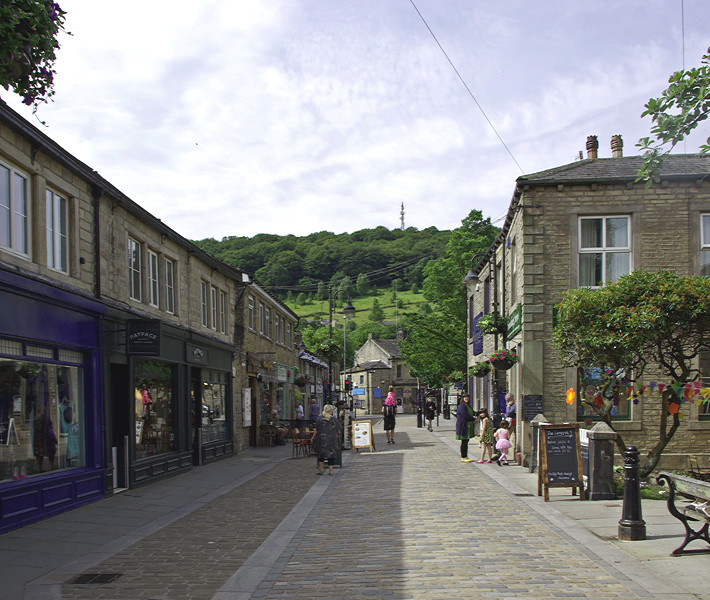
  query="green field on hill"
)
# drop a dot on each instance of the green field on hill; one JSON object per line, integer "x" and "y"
{"x": 407, "y": 302}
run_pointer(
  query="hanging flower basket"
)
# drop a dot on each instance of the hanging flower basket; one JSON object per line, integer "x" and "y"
{"x": 455, "y": 376}
{"x": 502, "y": 360}
{"x": 301, "y": 381}
{"x": 480, "y": 369}
{"x": 493, "y": 323}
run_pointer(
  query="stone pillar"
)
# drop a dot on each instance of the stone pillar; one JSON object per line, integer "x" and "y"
{"x": 600, "y": 483}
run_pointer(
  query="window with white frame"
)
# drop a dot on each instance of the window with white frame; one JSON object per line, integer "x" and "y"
{"x": 223, "y": 312}
{"x": 250, "y": 310}
{"x": 288, "y": 335}
{"x": 153, "y": 289}
{"x": 169, "y": 286}
{"x": 203, "y": 303}
{"x": 56, "y": 210}
{"x": 262, "y": 322}
{"x": 267, "y": 323}
{"x": 604, "y": 250}
{"x": 14, "y": 210}
{"x": 134, "y": 269}
{"x": 213, "y": 307}
{"x": 705, "y": 245}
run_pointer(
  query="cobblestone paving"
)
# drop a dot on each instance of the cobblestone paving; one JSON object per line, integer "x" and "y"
{"x": 191, "y": 558}
{"x": 412, "y": 521}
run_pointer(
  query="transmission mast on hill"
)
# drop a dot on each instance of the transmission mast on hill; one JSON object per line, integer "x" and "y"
{"x": 401, "y": 217}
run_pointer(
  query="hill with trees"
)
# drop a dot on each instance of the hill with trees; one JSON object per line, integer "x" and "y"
{"x": 398, "y": 280}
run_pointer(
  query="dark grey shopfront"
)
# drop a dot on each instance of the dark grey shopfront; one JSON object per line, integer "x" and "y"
{"x": 168, "y": 400}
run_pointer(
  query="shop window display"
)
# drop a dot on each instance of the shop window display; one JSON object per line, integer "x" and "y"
{"x": 41, "y": 418}
{"x": 155, "y": 428}
{"x": 214, "y": 418}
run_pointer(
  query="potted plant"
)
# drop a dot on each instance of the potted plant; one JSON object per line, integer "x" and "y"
{"x": 493, "y": 323}
{"x": 503, "y": 359}
{"x": 480, "y": 369}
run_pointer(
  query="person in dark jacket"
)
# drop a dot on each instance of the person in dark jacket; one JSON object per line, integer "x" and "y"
{"x": 465, "y": 419}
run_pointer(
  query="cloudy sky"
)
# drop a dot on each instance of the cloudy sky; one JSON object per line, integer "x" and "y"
{"x": 238, "y": 117}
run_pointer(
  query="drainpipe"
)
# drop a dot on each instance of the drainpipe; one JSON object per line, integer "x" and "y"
{"x": 96, "y": 192}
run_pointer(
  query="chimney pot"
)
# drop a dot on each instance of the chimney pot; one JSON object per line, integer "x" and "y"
{"x": 592, "y": 146}
{"x": 617, "y": 145}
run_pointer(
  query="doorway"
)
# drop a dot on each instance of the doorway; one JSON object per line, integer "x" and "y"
{"x": 121, "y": 410}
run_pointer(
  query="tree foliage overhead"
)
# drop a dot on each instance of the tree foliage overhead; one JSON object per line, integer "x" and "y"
{"x": 28, "y": 44}
{"x": 657, "y": 320}
{"x": 435, "y": 344}
{"x": 683, "y": 105}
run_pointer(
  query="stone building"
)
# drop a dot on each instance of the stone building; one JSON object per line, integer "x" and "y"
{"x": 268, "y": 354}
{"x": 379, "y": 364}
{"x": 585, "y": 224}
{"x": 117, "y": 353}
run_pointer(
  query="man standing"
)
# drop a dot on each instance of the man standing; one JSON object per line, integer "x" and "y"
{"x": 314, "y": 411}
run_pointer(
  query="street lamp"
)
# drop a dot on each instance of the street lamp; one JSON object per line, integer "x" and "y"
{"x": 348, "y": 309}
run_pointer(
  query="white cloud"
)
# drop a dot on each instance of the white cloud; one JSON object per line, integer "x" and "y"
{"x": 286, "y": 116}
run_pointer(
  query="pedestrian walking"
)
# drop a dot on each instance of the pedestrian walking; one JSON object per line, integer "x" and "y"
{"x": 430, "y": 408}
{"x": 313, "y": 411}
{"x": 486, "y": 436}
{"x": 502, "y": 443}
{"x": 300, "y": 423}
{"x": 465, "y": 420}
{"x": 327, "y": 439}
{"x": 389, "y": 410}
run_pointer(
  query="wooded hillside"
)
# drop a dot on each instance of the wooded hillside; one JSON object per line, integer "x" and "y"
{"x": 300, "y": 263}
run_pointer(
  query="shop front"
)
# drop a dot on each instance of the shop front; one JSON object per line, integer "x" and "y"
{"x": 168, "y": 401}
{"x": 51, "y": 412}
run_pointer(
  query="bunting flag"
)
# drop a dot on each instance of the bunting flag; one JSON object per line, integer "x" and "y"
{"x": 653, "y": 385}
{"x": 661, "y": 387}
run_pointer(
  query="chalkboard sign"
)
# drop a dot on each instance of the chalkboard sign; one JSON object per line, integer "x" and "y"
{"x": 560, "y": 459}
{"x": 532, "y": 406}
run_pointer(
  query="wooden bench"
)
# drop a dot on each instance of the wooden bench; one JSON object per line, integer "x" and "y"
{"x": 695, "y": 510}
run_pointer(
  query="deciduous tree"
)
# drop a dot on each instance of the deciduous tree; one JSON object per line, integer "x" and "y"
{"x": 659, "y": 321}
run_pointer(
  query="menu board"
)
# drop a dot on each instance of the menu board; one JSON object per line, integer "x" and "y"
{"x": 532, "y": 406}
{"x": 560, "y": 459}
{"x": 362, "y": 435}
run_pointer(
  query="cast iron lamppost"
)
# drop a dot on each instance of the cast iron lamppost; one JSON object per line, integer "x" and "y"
{"x": 348, "y": 309}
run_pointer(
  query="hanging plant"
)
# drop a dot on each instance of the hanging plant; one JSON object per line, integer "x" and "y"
{"x": 493, "y": 322}
{"x": 480, "y": 369}
{"x": 329, "y": 349}
{"x": 301, "y": 380}
{"x": 503, "y": 359}
{"x": 455, "y": 376}
{"x": 28, "y": 42}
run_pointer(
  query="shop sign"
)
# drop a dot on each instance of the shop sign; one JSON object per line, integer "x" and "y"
{"x": 281, "y": 372}
{"x": 197, "y": 355}
{"x": 143, "y": 337}
{"x": 515, "y": 323}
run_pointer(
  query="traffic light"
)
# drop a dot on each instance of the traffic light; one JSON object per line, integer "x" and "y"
{"x": 348, "y": 385}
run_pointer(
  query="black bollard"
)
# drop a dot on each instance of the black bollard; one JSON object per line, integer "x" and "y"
{"x": 419, "y": 415}
{"x": 631, "y": 526}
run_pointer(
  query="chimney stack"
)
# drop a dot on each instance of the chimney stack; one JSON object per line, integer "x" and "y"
{"x": 617, "y": 145}
{"x": 592, "y": 146}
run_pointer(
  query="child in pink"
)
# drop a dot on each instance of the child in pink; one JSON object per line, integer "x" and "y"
{"x": 502, "y": 443}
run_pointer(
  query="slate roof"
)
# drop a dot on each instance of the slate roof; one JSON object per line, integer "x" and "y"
{"x": 389, "y": 346}
{"x": 623, "y": 169}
